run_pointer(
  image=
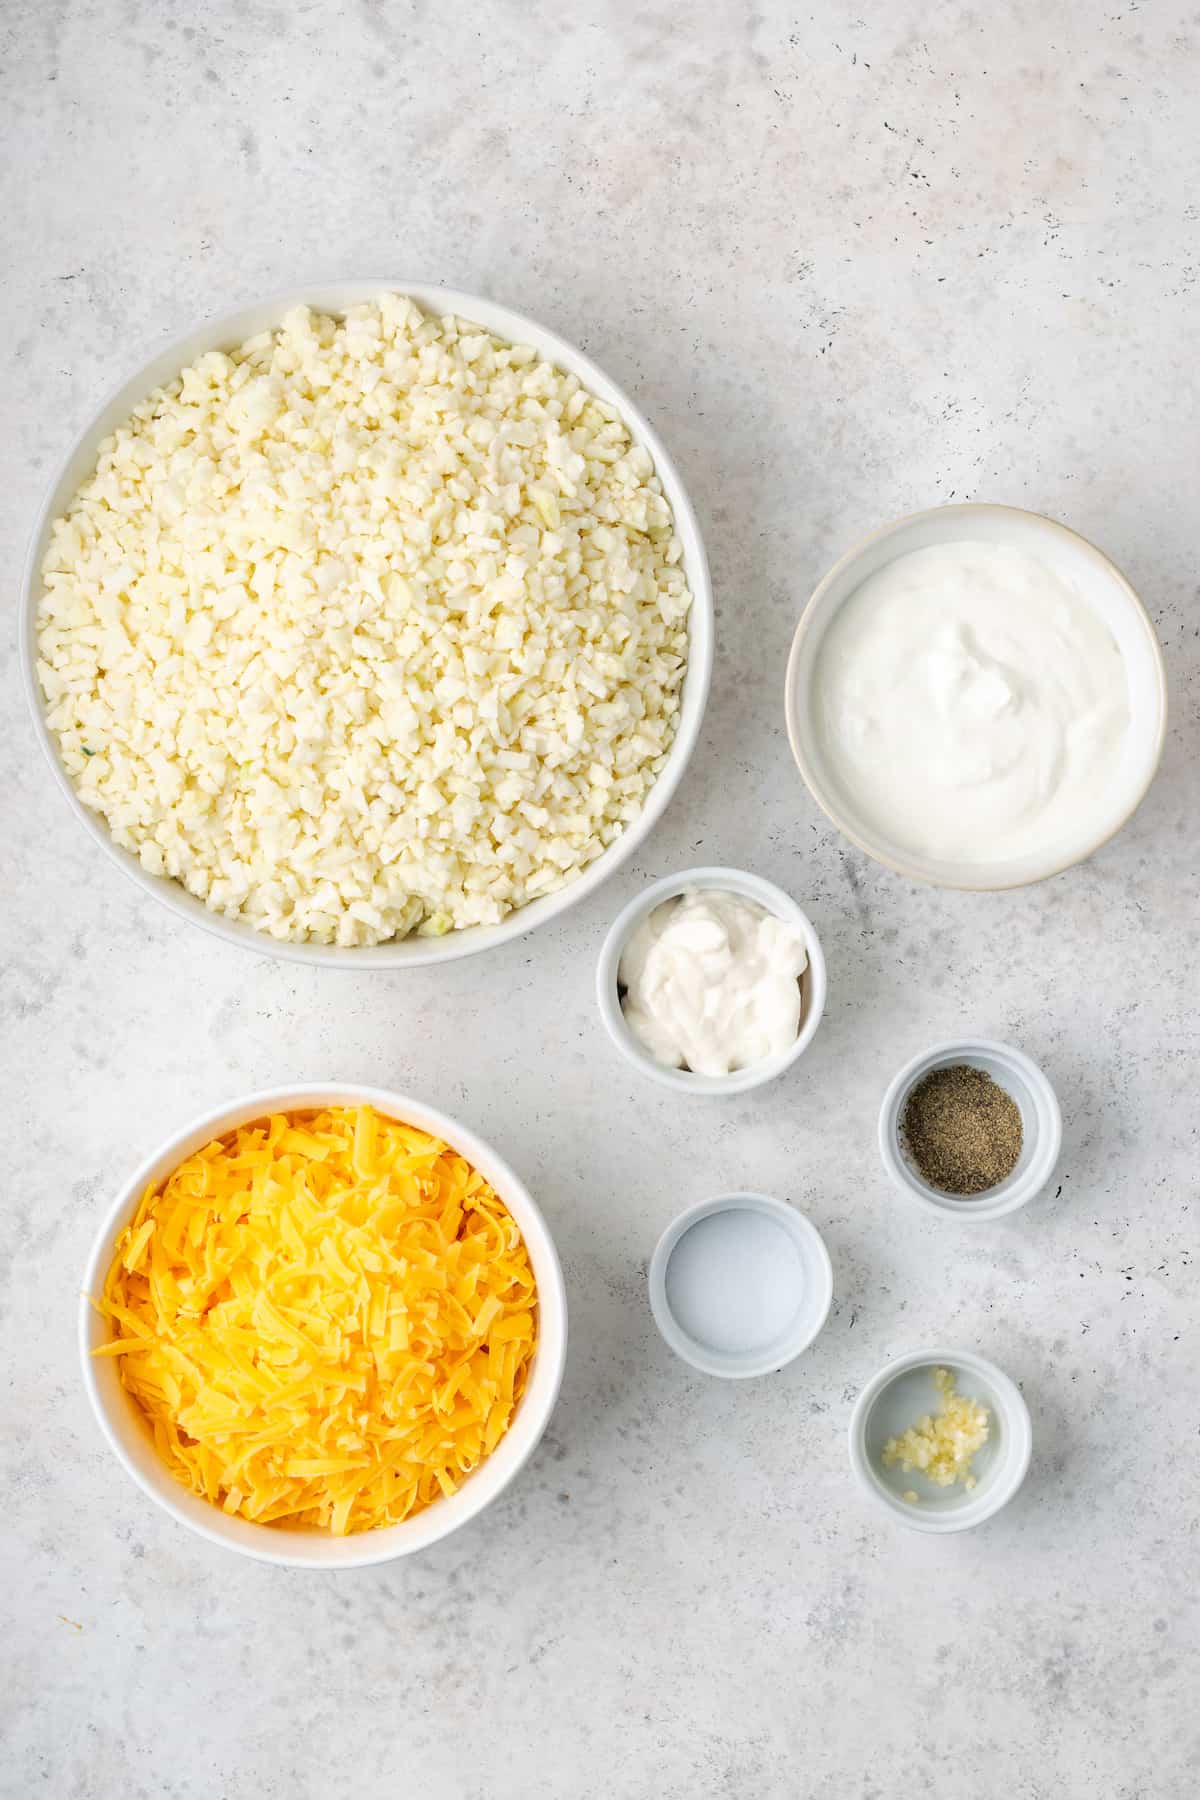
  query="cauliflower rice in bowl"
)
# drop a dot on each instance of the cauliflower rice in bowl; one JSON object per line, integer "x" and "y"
{"x": 373, "y": 625}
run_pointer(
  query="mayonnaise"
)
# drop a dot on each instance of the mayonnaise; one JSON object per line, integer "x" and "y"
{"x": 973, "y": 707}
{"x": 712, "y": 983}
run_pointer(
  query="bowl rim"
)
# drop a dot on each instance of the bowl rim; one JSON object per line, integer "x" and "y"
{"x": 716, "y": 877}
{"x": 813, "y": 1249}
{"x": 430, "y": 1526}
{"x": 1018, "y": 1439}
{"x": 977, "y": 1208}
{"x": 1051, "y": 864}
{"x": 230, "y": 327}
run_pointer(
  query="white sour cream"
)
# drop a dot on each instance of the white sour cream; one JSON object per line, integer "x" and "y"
{"x": 712, "y": 983}
{"x": 974, "y": 708}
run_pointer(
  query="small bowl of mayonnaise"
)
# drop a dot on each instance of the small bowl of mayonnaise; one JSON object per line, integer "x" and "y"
{"x": 711, "y": 981}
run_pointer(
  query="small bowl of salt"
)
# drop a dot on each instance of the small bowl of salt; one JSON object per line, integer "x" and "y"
{"x": 740, "y": 1285}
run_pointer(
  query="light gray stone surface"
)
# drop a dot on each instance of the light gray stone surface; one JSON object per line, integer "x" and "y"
{"x": 850, "y": 266}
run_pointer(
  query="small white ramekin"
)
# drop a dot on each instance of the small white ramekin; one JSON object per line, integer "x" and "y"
{"x": 1041, "y": 1123}
{"x": 897, "y": 1397}
{"x": 129, "y": 1437}
{"x": 811, "y": 1275}
{"x": 727, "y": 881}
{"x": 1093, "y": 575}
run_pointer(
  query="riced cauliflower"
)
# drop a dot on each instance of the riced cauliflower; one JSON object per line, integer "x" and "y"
{"x": 375, "y": 625}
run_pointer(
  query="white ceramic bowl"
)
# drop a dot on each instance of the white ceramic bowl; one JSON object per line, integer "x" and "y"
{"x": 775, "y": 1262}
{"x": 1041, "y": 1125}
{"x": 897, "y": 1397}
{"x": 126, "y": 1430}
{"x": 225, "y": 333}
{"x": 1071, "y": 557}
{"x": 729, "y": 881}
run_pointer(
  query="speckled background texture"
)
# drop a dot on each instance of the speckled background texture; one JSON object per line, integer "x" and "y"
{"x": 850, "y": 266}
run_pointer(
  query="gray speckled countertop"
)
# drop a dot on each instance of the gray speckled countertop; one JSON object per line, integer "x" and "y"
{"x": 849, "y": 267}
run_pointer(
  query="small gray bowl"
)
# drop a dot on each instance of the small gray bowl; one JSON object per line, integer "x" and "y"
{"x": 1041, "y": 1123}
{"x": 897, "y": 1397}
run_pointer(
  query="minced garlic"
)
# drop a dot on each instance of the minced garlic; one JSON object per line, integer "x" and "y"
{"x": 942, "y": 1447}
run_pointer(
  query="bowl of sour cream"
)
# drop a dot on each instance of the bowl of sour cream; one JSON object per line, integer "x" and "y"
{"x": 976, "y": 697}
{"x": 711, "y": 981}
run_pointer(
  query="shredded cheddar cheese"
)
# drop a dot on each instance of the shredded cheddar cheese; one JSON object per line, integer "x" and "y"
{"x": 327, "y": 1318}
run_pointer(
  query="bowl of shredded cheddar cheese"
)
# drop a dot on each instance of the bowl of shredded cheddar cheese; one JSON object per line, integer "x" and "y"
{"x": 323, "y": 1326}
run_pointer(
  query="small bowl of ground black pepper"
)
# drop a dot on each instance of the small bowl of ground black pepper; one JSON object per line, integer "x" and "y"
{"x": 970, "y": 1128}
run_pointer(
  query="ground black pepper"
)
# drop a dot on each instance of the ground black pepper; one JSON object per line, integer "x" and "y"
{"x": 962, "y": 1130}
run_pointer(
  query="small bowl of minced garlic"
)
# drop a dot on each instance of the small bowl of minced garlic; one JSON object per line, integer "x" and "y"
{"x": 941, "y": 1439}
{"x": 970, "y": 1128}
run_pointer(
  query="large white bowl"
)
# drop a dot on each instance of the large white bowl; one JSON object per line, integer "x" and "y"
{"x": 126, "y": 1429}
{"x": 1105, "y": 589}
{"x": 226, "y": 333}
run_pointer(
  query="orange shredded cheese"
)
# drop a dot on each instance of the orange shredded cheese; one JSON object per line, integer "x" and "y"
{"x": 327, "y": 1319}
